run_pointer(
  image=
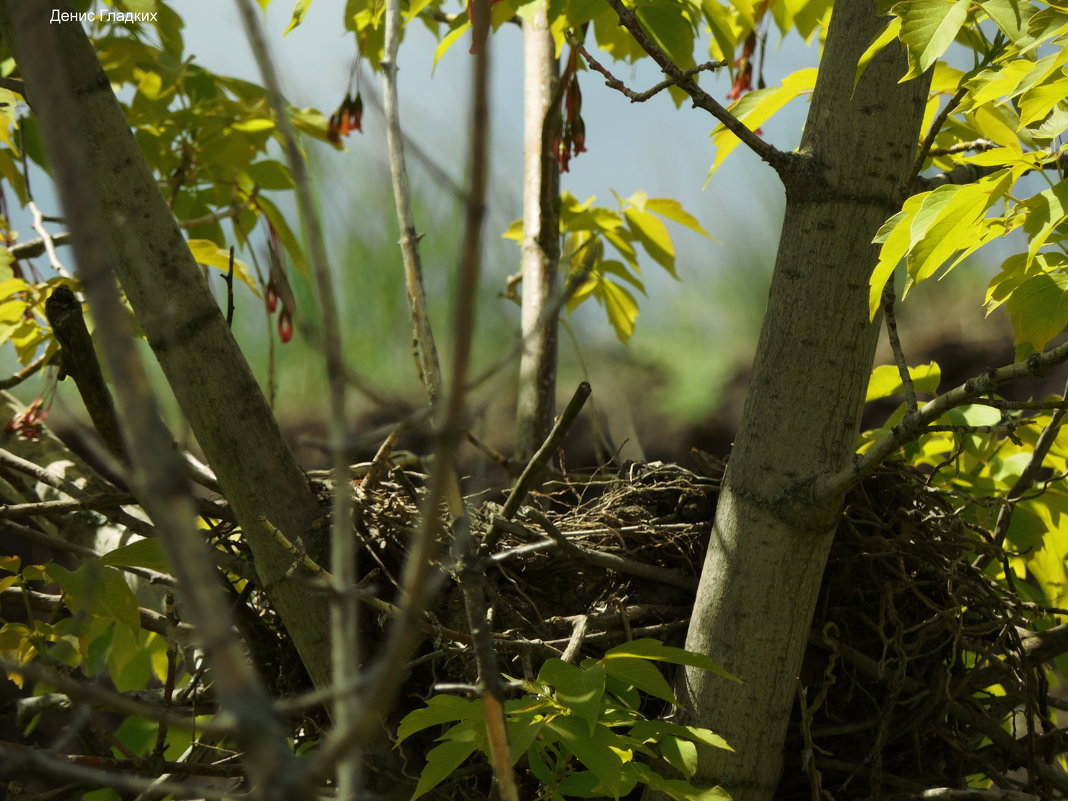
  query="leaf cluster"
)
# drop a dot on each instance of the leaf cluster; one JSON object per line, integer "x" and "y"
{"x": 580, "y": 728}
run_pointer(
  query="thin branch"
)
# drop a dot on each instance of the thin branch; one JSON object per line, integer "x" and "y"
{"x": 109, "y": 699}
{"x": 46, "y": 240}
{"x": 936, "y": 126}
{"x": 105, "y": 501}
{"x": 1028, "y": 475}
{"x": 158, "y": 471}
{"x": 895, "y": 345}
{"x": 425, "y": 351}
{"x": 701, "y": 99}
{"x": 108, "y": 776}
{"x": 1007, "y": 405}
{"x": 969, "y": 173}
{"x": 530, "y": 473}
{"x": 970, "y": 794}
{"x": 150, "y": 620}
{"x": 35, "y": 247}
{"x": 1037, "y": 364}
{"x": 28, "y": 372}
{"x": 611, "y": 561}
{"x": 420, "y": 577}
{"x": 612, "y": 82}
{"x": 42, "y": 474}
{"x": 344, "y": 653}
{"x": 981, "y": 145}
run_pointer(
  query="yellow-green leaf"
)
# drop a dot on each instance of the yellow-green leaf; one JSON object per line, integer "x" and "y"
{"x": 886, "y": 380}
{"x": 147, "y": 553}
{"x": 928, "y": 28}
{"x": 621, "y": 308}
{"x": 756, "y": 108}
{"x": 1039, "y": 308}
{"x": 209, "y": 254}
{"x": 889, "y": 34}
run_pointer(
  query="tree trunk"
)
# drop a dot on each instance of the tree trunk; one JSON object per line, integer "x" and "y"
{"x": 541, "y": 236}
{"x": 771, "y": 538}
{"x": 183, "y": 324}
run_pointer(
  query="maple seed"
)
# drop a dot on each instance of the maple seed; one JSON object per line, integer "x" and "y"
{"x": 347, "y": 118}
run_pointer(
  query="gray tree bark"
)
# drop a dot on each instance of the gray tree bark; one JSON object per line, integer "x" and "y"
{"x": 771, "y": 537}
{"x": 182, "y": 322}
{"x": 541, "y": 237}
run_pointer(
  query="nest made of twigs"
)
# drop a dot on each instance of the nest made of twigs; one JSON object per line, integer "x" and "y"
{"x": 908, "y": 639}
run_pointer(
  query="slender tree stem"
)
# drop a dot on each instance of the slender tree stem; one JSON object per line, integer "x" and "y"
{"x": 345, "y": 662}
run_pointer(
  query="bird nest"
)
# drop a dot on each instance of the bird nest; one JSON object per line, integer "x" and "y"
{"x": 922, "y": 670}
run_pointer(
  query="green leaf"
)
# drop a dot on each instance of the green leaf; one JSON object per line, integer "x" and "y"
{"x": 147, "y": 553}
{"x": 270, "y": 175}
{"x": 1012, "y": 17}
{"x": 579, "y": 689}
{"x": 642, "y": 674}
{"x": 1039, "y": 308}
{"x": 621, "y": 307}
{"x": 1043, "y": 214}
{"x": 1038, "y": 102}
{"x": 463, "y": 740}
{"x": 599, "y": 751}
{"x": 299, "y": 10}
{"x": 450, "y": 39}
{"x": 439, "y": 709}
{"x": 886, "y": 381}
{"x": 666, "y": 23}
{"x": 680, "y": 754}
{"x": 648, "y": 648}
{"x": 945, "y": 223}
{"x": 928, "y": 28}
{"x": 523, "y": 731}
{"x": 677, "y": 788}
{"x": 120, "y": 600}
{"x": 673, "y": 210}
{"x": 654, "y": 236}
{"x": 889, "y": 34}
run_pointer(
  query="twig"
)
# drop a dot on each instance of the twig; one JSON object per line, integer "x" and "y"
{"x": 157, "y": 468}
{"x": 46, "y": 240}
{"x": 612, "y": 82}
{"x": 74, "y": 767}
{"x": 936, "y": 126}
{"x": 1025, "y": 480}
{"x": 297, "y": 551}
{"x": 109, "y": 699}
{"x": 964, "y": 147}
{"x": 1036, "y": 364}
{"x": 28, "y": 371}
{"x": 45, "y": 476}
{"x": 35, "y": 247}
{"x": 970, "y": 794}
{"x": 344, "y": 653}
{"x": 1007, "y": 405}
{"x": 229, "y": 279}
{"x": 611, "y": 561}
{"x": 578, "y": 637}
{"x": 150, "y": 619}
{"x": 701, "y": 99}
{"x": 418, "y": 578}
{"x": 106, "y": 501}
{"x": 530, "y": 473}
{"x": 895, "y": 345}
{"x": 424, "y": 349}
